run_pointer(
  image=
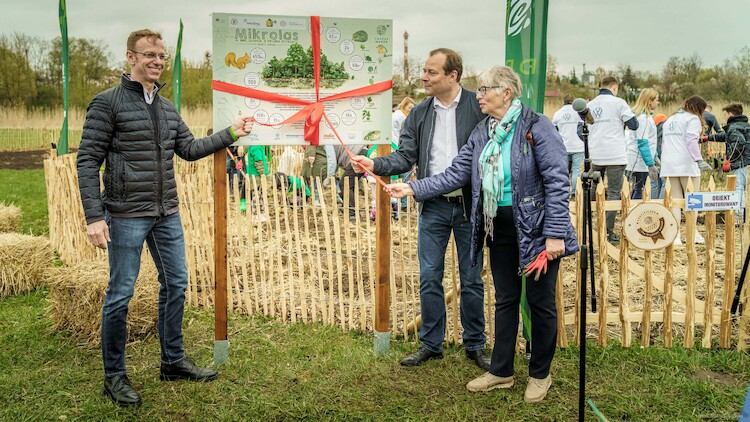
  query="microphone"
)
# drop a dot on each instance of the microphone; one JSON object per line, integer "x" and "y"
{"x": 579, "y": 105}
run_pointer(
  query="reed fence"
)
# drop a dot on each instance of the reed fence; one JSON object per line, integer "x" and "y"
{"x": 298, "y": 262}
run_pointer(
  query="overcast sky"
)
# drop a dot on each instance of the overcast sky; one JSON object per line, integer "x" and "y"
{"x": 642, "y": 33}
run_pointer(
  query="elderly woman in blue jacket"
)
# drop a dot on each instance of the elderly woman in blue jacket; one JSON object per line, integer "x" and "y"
{"x": 517, "y": 165}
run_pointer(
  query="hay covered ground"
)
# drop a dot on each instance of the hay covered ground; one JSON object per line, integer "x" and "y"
{"x": 309, "y": 371}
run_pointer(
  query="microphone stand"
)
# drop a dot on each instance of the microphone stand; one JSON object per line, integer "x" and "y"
{"x": 589, "y": 180}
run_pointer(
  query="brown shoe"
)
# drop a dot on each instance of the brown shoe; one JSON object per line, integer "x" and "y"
{"x": 537, "y": 389}
{"x": 488, "y": 382}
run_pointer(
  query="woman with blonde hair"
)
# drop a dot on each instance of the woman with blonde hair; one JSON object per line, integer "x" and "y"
{"x": 517, "y": 165}
{"x": 641, "y": 148}
{"x": 681, "y": 156}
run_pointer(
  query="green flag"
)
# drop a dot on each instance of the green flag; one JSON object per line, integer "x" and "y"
{"x": 62, "y": 144}
{"x": 526, "y": 53}
{"x": 526, "y": 47}
{"x": 525, "y": 311}
{"x": 177, "y": 72}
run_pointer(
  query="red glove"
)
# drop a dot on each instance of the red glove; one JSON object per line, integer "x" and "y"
{"x": 539, "y": 265}
{"x": 704, "y": 138}
{"x": 239, "y": 165}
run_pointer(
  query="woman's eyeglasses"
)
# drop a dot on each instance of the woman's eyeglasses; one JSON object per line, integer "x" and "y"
{"x": 482, "y": 90}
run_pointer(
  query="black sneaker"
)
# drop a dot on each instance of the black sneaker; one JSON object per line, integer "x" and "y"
{"x": 480, "y": 357}
{"x": 613, "y": 238}
{"x": 186, "y": 370}
{"x": 421, "y": 356}
{"x": 119, "y": 390}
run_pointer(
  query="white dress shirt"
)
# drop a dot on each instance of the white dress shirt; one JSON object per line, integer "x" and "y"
{"x": 444, "y": 143}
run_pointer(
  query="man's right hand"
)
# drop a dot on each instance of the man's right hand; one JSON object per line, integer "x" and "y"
{"x": 98, "y": 233}
{"x": 361, "y": 164}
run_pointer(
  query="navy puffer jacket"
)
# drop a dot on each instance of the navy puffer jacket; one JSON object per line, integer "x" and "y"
{"x": 138, "y": 142}
{"x": 539, "y": 182}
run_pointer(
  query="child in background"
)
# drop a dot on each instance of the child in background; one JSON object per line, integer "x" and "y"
{"x": 294, "y": 196}
{"x": 255, "y": 164}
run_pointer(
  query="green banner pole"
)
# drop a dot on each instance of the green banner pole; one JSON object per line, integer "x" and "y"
{"x": 526, "y": 47}
{"x": 526, "y": 54}
{"x": 177, "y": 73}
{"x": 62, "y": 144}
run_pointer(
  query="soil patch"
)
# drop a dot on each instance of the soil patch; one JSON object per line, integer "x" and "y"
{"x": 24, "y": 159}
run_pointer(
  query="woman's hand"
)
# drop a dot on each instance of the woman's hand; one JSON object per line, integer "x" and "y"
{"x": 399, "y": 190}
{"x": 555, "y": 248}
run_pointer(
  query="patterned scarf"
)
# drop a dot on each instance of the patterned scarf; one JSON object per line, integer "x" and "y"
{"x": 491, "y": 163}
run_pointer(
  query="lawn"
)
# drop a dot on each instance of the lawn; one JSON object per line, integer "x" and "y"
{"x": 26, "y": 190}
{"x": 313, "y": 372}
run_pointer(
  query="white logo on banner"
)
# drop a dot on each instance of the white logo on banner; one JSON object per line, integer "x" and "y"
{"x": 519, "y": 18}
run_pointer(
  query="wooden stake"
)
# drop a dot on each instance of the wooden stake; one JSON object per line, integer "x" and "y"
{"x": 220, "y": 246}
{"x": 382, "y": 254}
{"x": 725, "y": 329}
{"x": 603, "y": 265}
{"x": 624, "y": 248}
{"x": 710, "y": 271}
{"x": 690, "y": 217}
{"x": 668, "y": 272}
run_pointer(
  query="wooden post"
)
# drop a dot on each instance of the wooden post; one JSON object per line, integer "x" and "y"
{"x": 692, "y": 258}
{"x": 603, "y": 265}
{"x": 624, "y": 247}
{"x": 708, "y": 309}
{"x": 382, "y": 264}
{"x": 668, "y": 272}
{"x": 221, "y": 343}
{"x": 725, "y": 328}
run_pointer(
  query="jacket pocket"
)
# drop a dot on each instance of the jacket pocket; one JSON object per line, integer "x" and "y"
{"x": 531, "y": 216}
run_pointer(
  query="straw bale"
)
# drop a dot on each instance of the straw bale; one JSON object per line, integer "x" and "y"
{"x": 24, "y": 260}
{"x": 77, "y": 295}
{"x": 9, "y": 217}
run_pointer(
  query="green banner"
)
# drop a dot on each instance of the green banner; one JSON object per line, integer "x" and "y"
{"x": 62, "y": 144}
{"x": 526, "y": 47}
{"x": 177, "y": 72}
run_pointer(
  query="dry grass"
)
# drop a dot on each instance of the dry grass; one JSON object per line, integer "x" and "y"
{"x": 10, "y": 215}
{"x": 77, "y": 295}
{"x": 24, "y": 260}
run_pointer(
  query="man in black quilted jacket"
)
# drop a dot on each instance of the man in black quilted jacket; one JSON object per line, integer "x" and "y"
{"x": 136, "y": 133}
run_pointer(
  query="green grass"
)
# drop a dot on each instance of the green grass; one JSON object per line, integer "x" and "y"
{"x": 26, "y": 189}
{"x": 313, "y": 372}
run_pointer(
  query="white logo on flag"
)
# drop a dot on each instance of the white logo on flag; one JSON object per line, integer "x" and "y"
{"x": 518, "y": 18}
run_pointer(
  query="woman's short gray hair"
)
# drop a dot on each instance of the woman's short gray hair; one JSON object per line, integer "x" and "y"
{"x": 504, "y": 77}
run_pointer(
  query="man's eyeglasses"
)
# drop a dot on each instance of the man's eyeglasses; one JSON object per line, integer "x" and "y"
{"x": 482, "y": 90}
{"x": 151, "y": 55}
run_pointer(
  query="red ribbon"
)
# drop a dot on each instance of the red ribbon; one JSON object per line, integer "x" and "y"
{"x": 312, "y": 111}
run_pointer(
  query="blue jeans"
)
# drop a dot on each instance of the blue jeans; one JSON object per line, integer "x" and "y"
{"x": 436, "y": 221}
{"x": 638, "y": 181}
{"x": 575, "y": 160}
{"x": 656, "y": 189}
{"x": 167, "y": 246}
{"x": 745, "y": 415}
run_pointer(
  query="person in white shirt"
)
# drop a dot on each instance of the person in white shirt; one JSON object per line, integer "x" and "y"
{"x": 567, "y": 120}
{"x": 641, "y": 148}
{"x": 607, "y": 142}
{"x": 681, "y": 157}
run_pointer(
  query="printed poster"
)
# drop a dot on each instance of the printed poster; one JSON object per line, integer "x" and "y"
{"x": 274, "y": 54}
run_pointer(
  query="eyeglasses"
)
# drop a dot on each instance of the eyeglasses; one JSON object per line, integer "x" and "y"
{"x": 151, "y": 55}
{"x": 482, "y": 90}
